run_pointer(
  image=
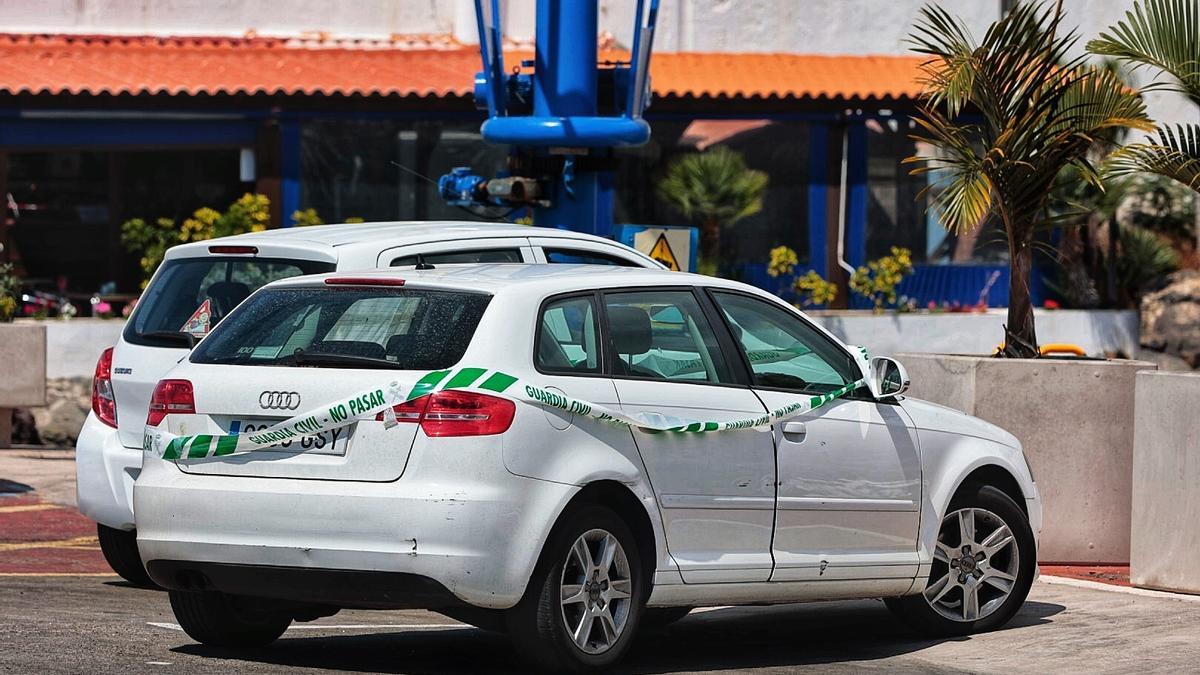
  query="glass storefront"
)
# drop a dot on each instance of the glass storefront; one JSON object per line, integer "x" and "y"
{"x": 898, "y": 214}
{"x": 66, "y": 207}
{"x": 380, "y": 169}
{"x": 779, "y": 148}
{"x": 350, "y": 170}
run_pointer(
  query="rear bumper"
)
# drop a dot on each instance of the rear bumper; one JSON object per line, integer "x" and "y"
{"x": 359, "y": 589}
{"x": 105, "y": 471}
{"x": 477, "y": 536}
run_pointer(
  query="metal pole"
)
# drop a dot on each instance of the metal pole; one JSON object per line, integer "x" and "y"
{"x": 565, "y": 68}
{"x": 564, "y": 85}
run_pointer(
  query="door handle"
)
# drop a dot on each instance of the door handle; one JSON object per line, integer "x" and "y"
{"x": 795, "y": 429}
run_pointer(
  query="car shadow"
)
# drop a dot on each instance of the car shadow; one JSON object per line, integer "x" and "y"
{"x": 12, "y": 487}
{"x": 813, "y": 634}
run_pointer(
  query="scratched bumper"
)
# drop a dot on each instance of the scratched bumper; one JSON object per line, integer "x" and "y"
{"x": 478, "y": 535}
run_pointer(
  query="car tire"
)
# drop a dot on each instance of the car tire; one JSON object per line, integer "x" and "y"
{"x": 976, "y": 585}
{"x": 221, "y": 620}
{"x": 121, "y": 552}
{"x": 661, "y": 617}
{"x": 544, "y": 624}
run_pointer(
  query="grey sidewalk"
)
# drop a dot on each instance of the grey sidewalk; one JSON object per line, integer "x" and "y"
{"x": 50, "y": 472}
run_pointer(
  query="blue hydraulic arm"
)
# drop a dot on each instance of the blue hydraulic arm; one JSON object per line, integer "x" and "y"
{"x": 562, "y": 136}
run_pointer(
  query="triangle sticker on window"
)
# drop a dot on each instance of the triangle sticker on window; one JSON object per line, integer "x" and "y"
{"x": 201, "y": 320}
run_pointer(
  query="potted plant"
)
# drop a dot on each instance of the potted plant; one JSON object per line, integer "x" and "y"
{"x": 1164, "y": 35}
{"x": 1004, "y": 117}
{"x": 1040, "y": 110}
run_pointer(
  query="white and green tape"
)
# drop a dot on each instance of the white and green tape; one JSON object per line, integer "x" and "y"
{"x": 369, "y": 403}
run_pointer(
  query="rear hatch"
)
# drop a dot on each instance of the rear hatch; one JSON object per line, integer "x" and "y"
{"x": 243, "y": 399}
{"x": 192, "y": 291}
{"x": 298, "y": 348}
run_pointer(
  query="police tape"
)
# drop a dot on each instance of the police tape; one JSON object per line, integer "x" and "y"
{"x": 370, "y": 403}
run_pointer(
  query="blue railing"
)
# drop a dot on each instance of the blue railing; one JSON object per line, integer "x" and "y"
{"x": 937, "y": 283}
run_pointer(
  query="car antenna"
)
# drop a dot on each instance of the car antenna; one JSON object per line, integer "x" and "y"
{"x": 422, "y": 265}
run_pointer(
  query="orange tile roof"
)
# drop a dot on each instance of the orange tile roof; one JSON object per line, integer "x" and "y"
{"x": 418, "y": 66}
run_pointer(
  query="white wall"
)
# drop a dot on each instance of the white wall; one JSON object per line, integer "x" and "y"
{"x": 804, "y": 26}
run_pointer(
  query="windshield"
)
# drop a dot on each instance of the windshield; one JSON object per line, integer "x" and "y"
{"x": 189, "y": 296}
{"x": 358, "y": 327}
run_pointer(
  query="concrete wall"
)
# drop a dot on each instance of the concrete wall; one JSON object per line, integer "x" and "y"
{"x": 73, "y": 347}
{"x": 1075, "y": 420}
{"x": 1166, "y": 483}
{"x": 22, "y": 365}
{"x": 22, "y": 372}
{"x": 1098, "y": 332}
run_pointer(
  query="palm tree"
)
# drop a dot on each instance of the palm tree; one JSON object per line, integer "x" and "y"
{"x": 1163, "y": 35}
{"x": 716, "y": 188}
{"x": 1039, "y": 111}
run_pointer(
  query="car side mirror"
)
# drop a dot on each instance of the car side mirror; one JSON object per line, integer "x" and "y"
{"x": 887, "y": 377}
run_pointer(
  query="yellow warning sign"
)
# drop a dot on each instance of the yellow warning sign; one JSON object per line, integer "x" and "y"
{"x": 662, "y": 253}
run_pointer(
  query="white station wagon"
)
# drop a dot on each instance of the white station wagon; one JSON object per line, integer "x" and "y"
{"x": 471, "y": 498}
{"x": 199, "y": 283}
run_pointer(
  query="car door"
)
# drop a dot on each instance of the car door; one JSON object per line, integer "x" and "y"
{"x": 849, "y": 472}
{"x": 716, "y": 490}
{"x": 488, "y": 250}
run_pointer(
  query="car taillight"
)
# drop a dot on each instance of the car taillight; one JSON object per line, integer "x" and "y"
{"x": 409, "y": 411}
{"x": 104, "y": 404}
{"x": 457, "y": 413}
{"x": 171, "y": 397}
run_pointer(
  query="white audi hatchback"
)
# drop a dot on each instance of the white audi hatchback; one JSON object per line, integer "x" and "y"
{"x": 564, "y": 453}
{"x": 199, "y": 283}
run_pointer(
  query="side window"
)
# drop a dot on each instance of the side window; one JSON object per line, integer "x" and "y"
{"x": 663, "y": 335}
{"x": 483, "y": 255}
{"x": 567, "y": 339}
{"x": 783, "y": 350}
{"x": 568, "y": 256}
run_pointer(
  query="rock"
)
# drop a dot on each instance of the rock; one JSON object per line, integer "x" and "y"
{"x": 24, "y": 430}
{"x": 1170, "y": 317}
{"x": 68, "y": 401}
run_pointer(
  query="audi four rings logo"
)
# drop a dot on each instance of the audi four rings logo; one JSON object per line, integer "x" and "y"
{"x": 279, "y": 400}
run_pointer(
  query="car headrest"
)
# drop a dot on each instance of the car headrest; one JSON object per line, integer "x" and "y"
{"x": 227, "y": 295}
{"x": 630, "y": 329}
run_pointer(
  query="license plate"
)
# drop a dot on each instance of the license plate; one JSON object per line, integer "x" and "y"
{"x": 331, "y": 442}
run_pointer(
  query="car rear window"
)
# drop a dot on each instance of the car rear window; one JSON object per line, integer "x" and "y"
{"x": 191, "y": 295}
{"x": 410, "y": 329}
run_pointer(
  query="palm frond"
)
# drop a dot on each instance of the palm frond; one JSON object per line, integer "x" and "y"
{"x": 1160, "y": 34}
{"x": 1043, "y": 109}
{"x": 1174, "y": 154}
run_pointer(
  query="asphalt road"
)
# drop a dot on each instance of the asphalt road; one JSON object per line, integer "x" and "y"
{"x": 72, "y": 624}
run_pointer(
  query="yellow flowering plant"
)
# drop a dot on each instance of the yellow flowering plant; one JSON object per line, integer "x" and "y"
{"x": 9, "y": 290}
{"x": 783, "y": 262}
{"x": 811, "y": 288}
{"x": 879, "y": 279}
{"x": 250, "y": 213}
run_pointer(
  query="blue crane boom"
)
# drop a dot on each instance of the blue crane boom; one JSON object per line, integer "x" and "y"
{"x": 562, "y": 120}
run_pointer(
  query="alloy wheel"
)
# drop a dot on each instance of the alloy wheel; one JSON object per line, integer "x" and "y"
{"x": 596, "y": 591}
{"x": 975, "y": 566}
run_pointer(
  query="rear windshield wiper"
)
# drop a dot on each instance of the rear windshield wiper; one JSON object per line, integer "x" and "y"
{"x": 303, "y": 358}
{"x": 172, "y": 336}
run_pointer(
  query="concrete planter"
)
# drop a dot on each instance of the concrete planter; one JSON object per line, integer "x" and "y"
{"x": 1075, "y": 420}
{"x": 1098, "y": 332}
{"x": 74, "y": 346}
{"x": 1165, "y": 534}
{"x": 22, "y": 372}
